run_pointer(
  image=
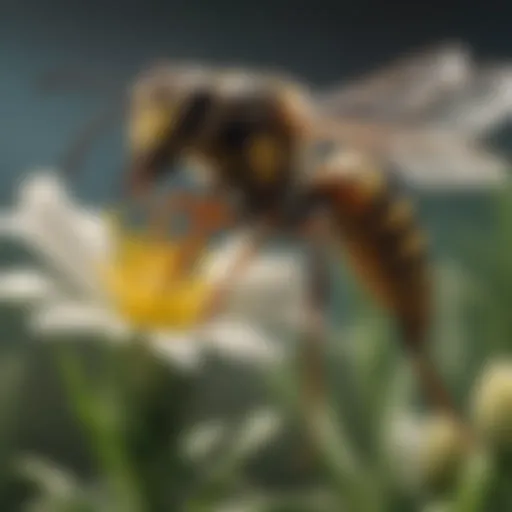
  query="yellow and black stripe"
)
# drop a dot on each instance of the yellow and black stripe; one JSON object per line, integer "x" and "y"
{"x": 382, "y": 239}
{"x": 379, "y": 232}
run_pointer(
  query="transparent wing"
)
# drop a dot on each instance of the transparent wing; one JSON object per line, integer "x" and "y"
{"x": 426, "y": 159}
{"x": 448, "y": 163}
{"x": 405, "y": 88}
{"x": 427, "y": 113}
{"x": 484, "y": 104}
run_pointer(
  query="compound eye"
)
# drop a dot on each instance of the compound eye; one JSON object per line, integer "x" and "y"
{"x": 149, "y": 126}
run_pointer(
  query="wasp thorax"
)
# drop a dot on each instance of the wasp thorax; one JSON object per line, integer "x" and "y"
{"x": 158, "y": 99}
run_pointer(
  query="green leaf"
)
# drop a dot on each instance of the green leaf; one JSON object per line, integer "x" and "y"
{"x": 473, "y": 488}
{"x": 98, "y": 412}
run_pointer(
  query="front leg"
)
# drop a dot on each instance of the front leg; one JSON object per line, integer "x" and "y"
{"x": 205, "y": 212}
{"x": 206, "y": 215}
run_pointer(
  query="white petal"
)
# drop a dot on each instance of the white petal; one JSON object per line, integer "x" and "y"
{"x": 94, "y": 231}
{"x": 75, "y": 318}
{"x": 260, "y": 427}
{"x": 219, "y": 263}
{"x": 47, "y": 475}
{"x": 268, "y": 267}
{"x": 403, "y": 445}
{"x": 242, "y": 342}
{"x": 270, "y": 291}
{"x": 274, "y": 274}
{"x": 22, "y": 285}
{"x": 50, "y": 224}
{"x": 201, "y": 439}
{"x": 44, "y": 190}
{"x": 43, "y": 186}
{"x": 66, "y": 318}
{"x": 182, "y": 349}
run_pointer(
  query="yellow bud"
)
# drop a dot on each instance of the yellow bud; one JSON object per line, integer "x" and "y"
{"x": 145, "y": 287}
{"x": 442, "y": 452}
{"x": 492, "y": 405}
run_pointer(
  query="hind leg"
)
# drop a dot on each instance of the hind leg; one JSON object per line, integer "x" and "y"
{"x": 377, "y": 229}
{"x": 317, "y": 301}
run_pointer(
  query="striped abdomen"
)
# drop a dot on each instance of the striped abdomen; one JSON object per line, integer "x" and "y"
{"x": 379, "y": 233}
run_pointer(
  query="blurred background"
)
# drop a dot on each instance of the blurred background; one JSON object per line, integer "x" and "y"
{"x": 325, "y": 43}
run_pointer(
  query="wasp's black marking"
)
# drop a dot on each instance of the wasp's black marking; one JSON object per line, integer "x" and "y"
{"x": 241, "y": 119}
{"x": 193, "y": 114}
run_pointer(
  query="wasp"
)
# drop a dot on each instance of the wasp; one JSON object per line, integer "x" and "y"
{"x": 277, "y": 164}
{"x": 257, "y": 138}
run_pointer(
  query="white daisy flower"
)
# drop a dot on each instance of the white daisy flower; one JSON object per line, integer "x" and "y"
{"x": 93, "y": 284}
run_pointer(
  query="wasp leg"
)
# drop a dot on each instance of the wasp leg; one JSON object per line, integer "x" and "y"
{"x": 317, "y": 299}
{"x": 161, "y": 212}
{"x": 206, "y": 216}
{"x": 314, "y": 336}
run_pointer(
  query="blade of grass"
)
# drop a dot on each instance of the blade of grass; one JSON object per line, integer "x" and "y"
{"x": 99, "y": 416}
{"x": 475, "y": 482}
{"x": 353, "y": 485}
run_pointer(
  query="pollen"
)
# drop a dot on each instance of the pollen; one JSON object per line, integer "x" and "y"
{"x": 144, "y": 285}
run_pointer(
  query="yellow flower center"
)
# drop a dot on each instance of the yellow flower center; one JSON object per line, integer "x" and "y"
{"x": 145, "y": 285}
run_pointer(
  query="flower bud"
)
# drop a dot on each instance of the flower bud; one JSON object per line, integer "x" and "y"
{"x": 442, "y": 452}
{"x": 426, "y": 452}
{"x": 492, "y": 405}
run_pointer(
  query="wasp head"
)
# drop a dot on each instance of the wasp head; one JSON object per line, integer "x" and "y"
{"x": 163, "y": 116}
